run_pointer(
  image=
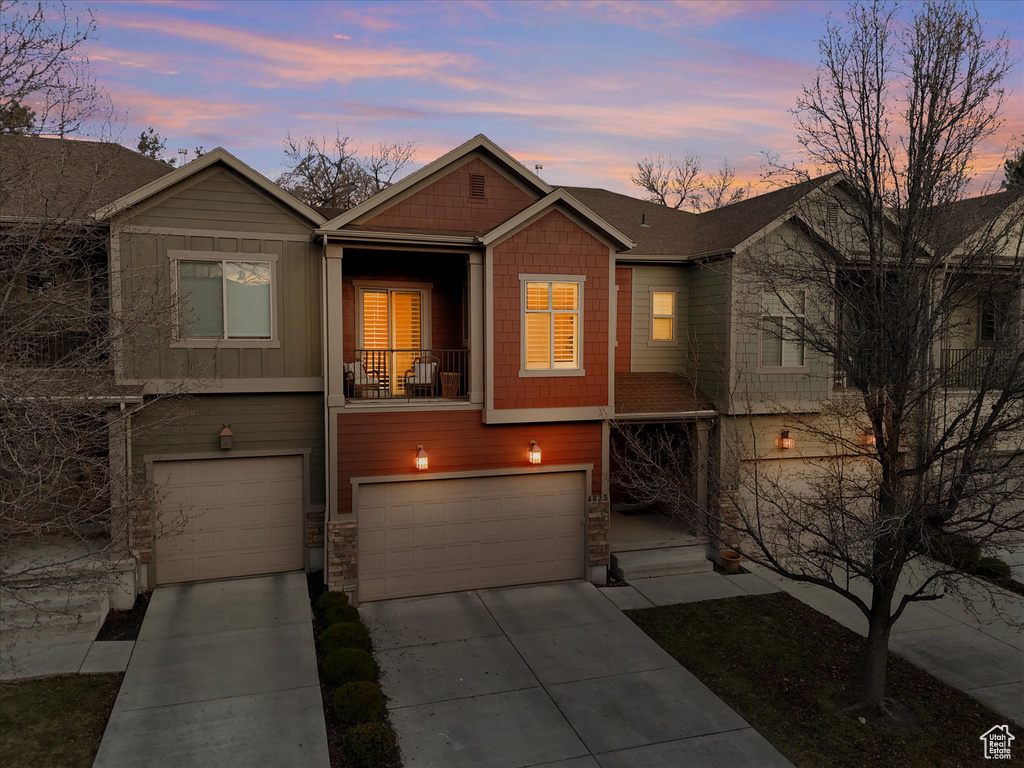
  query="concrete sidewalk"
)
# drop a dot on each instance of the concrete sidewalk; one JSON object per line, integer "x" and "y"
{"x": 223, "y": 673}
{"x": 544, "y": 676}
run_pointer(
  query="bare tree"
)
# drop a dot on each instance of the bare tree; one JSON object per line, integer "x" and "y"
{"x": 682, "y": 184}
{"x": 331, "y": 173}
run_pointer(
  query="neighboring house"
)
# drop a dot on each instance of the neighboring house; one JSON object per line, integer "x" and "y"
{"x": 419, "y": 394}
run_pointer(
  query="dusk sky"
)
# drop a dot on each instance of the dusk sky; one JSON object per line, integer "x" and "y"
{"x": 584, "y": 88}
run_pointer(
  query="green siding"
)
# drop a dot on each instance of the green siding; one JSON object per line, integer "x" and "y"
{"x": 647, "y": 356}
{"x": 709, "y": 307}
{"x": 267, "y": 422}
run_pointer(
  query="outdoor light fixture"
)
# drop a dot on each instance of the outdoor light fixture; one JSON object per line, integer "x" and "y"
{"x": 421, "y": 458}
{"x": 870, "y": 439}
{"x": 534, "y": 452}
{"x": 225, "y": 436}
{"x": 785, "y": 442}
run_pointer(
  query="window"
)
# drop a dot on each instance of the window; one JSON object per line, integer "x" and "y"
{"x": 663, "y": 316}
{"x": 988, "y": 319}
{"x": 225, "y": 299}
{"x": 782, "y": 344}
{"x": 551, "y": 323}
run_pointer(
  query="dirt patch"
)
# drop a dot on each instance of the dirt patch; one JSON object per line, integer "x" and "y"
{"x": 126, "y": 625}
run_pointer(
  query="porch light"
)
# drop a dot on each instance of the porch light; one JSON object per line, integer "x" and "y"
{"x": 785, "y": 442}
{"x": 421, "y": 458}
{"x": 869, "y": 438}
{"x": 534, "y": 452}
{"x": 226, "y": 436}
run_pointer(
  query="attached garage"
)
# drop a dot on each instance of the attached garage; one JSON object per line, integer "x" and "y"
{"x": 423, "y": 537}
{"x": 220, "y": 518}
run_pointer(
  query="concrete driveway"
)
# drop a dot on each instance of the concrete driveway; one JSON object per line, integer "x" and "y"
{"x": 544, "y": 676}
{"x": 224, "y": 673}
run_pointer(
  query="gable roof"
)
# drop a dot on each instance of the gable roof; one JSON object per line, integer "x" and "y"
{"x": 218, "y": 155}
{"x": 478, "y": 142}
{"x": 68, "y": 178}
{"x": 963, "y": 218}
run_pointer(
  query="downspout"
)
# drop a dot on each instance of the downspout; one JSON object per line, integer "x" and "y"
{"x": 324, "y": 371}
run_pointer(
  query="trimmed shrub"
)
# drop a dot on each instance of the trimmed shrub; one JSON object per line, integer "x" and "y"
{"x": 356, "y": 703}
{"x": 348, "y": 665}
{"x": 345, "y": 634}
{"x": 957, "y": 551}
{"x": 339, "y": 613}
{"x": 992, "y": 568}
{"x": 369, "y": 745}
{"x": 330, "y": 599}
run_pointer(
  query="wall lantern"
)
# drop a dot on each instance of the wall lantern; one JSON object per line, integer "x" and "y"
{"x": 785, "y": 442}
{"x": 534, "y": 452}
{"x": 226, "y": 436}
{"x": 869, "y": 438}
{"x": 421, "y": 458}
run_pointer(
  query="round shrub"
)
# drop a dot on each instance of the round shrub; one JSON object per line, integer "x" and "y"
{"x": 339, "y": 613}
{"x": 358, "y": 703}
{"x": 957, "y": 551}
{"x": 330, "y": 599}
{"x": 348, "y": 665}
{"x": 345, "y": 634}
{"x": 369, "y": 745}
{"x": 992, "y": 568}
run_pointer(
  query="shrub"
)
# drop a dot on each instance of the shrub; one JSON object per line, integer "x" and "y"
{"x": 992, "y": 568}
{"x": 345, "y": 634}
{"x": 348, "y": 665}
{"x": 360, "y": 702}
{"x": 330, "y": 599}
{"x": 957, "y": 551}
{"x": 369, "y": 745}
{"x": 339, "y": 613}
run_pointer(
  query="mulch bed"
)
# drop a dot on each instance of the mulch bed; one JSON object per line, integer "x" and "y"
{"x": 126, "y": 625}
{"x": 789, "y": 671}
{"x": 335, "y": 730}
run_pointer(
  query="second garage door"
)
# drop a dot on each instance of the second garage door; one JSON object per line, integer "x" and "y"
{"x": 428, "y": 536}
{"x": 218, "y": 518}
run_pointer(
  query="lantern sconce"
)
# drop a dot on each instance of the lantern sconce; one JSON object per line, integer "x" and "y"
{"x": 869, "y": 439}
{"x": 226, "y": 436}
{"x": 422, "y": 462}
{"x": 785, "y": 442}
{"x": 534, "y": 452}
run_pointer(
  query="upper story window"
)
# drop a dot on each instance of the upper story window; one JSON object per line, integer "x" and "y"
{"x": 663, "y": 316}
{"x": 225, "y": 300}
{"x": 782, "y": 317}
{"x": 551, "y": 325}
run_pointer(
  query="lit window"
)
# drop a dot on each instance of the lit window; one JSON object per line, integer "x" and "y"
{"x": 552, "y": 326}
{"x": 663, "y": 316}
{"x": 225, "y": 299}
{"x": 782, "y": 317}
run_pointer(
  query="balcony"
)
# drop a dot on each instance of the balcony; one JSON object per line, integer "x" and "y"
{"x": 407, "y": 374}
{"x": 60, "y": 349}
{"x": 970, "y": 368}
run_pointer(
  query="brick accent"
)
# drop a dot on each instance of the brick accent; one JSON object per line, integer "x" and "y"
{"x": 341, "y": 555}
{"x": 598, "y": 519}
{"x": 315, "y": 528}
{"x": 724, "y": 510}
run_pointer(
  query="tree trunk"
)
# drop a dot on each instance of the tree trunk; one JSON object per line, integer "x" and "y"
{"x": 876, "y": 653}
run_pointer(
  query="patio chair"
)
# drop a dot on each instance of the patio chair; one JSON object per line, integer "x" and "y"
{"x": 359, "y": 383}
{"x": 421, "y": 378}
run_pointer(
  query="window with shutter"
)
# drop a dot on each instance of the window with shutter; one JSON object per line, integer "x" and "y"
{"x": 551, "y": 325}
{"x": 663, "y": 316}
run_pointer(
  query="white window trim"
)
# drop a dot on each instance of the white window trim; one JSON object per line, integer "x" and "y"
{"x": 426, "y": 321}
{"x": 760, "y": 340}
{"x": 549, "y": 372}
{"x": 674, "y": 341}
{"x": 184, "y": 342}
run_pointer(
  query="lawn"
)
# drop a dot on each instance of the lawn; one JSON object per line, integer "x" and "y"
{"x": 55, "y": 723}
{"x": 781, "y": 664}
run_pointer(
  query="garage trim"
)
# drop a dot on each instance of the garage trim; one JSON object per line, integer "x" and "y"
{"x": 150, "y": 459}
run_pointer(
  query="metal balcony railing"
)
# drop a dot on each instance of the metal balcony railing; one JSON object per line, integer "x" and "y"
{"x": 408, "y": 374}
{"x": 966, "y": 368}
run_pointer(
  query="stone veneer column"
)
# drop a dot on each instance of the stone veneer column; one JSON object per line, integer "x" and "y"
{"x": 598, "y": 519}
{"x": 724, "y": 511}
{"x": 341, "y": 555}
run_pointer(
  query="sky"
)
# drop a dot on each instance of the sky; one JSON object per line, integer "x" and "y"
{"x": 583, "y": 88}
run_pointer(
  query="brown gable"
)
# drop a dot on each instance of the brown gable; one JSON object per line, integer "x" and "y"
{"x": 453, "y": 202}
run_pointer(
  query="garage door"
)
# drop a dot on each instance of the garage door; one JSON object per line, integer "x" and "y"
{"x": 428, "y": 536}
{"x": 218, "y": 518}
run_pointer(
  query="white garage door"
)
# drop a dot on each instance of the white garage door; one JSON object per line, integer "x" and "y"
{"x": 428, "y": 536}
{"x": 218, "y": 518}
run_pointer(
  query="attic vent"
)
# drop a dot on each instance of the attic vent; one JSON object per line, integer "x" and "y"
{"x": 476, "y": 185}
{"x": 833, "y": 214}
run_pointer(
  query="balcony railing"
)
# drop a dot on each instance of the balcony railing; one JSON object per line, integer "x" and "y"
{"x": 60, "y": 349}
{"x": 408, "y": 374}
{"x": 967, "y": 368}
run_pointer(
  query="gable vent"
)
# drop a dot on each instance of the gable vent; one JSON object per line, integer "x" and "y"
{"x": 476, "y": 185}
{"x": 833, "y": 214}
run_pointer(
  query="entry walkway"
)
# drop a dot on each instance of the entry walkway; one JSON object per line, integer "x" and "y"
{"x": 223, "y": 674}
{"x": 545, "y": 676}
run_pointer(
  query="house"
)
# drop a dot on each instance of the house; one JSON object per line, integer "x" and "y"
{"x": 420, "y": 394}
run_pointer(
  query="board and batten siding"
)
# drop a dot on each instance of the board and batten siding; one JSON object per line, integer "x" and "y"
{"x": 647, "y": 356}
{"x": 246, "y": 222}
{"x": 709, "y": 288}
